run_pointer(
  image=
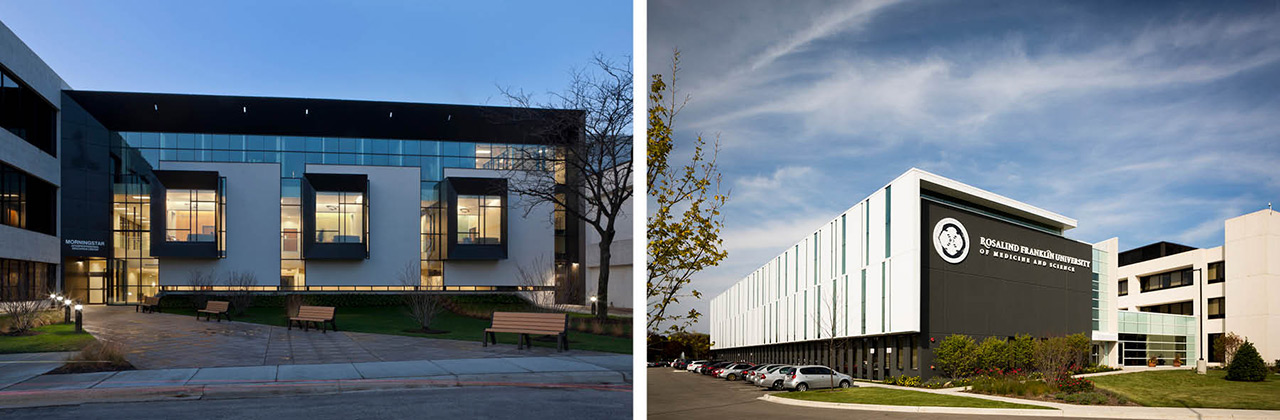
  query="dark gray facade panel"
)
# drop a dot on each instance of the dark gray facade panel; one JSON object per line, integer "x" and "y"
{"x": 86, "y": 182}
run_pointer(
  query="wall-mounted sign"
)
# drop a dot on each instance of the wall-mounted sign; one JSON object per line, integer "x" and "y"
{"x": 951, "y": 240}
{"x": 83, "y": 245}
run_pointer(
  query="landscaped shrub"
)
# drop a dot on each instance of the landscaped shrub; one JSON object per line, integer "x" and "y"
{"x": 1096, "y": 369}
{"x": 911, "y": 381}
{"x": 936, "y": 382}
{"x": 1002, "y": 385}
{"x": 1021, "y": 353}
{"x": 1247, "y": 365}
{"x": 993, "y": 354}
{"x": 1275, "y": 367}
{"x": 956, "y": 355}
{"x": 1227, "y": 345}
{"x": 1057, "y": 356}
{"x": 1071, "y": 385}
{"x": 98, "y": 356}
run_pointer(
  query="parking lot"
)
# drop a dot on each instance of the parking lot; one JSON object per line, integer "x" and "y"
{"x": 684, "y": 395}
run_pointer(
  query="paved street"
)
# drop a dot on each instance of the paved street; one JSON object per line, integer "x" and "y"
{"x": 443, "y": 403}
{"x": 162, "y": 341}
{"x": 683, "y": 395}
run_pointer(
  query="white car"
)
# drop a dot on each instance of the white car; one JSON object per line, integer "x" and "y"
{"x": 804, "y": 378}
{"x": 694, "y": 365}
{"x": 733, "y": 371}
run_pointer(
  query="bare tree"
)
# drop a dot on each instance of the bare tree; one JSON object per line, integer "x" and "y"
{"x": 589, "y": 178}
{"x": 423, "y": 305}
{"x": 534, "y": 277}
{"x": 834, "y": 346}
{"x": 240, "y": 286}
{"x": 201, "y": 282}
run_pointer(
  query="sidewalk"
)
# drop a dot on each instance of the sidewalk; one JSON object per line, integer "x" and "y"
{"x": 19, "y": 367}
{"x": 1061, "y": 410}
{"x": 597, "y": 372}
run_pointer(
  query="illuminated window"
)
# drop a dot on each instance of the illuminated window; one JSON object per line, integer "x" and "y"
{"x": 339, "y": 217}
{"x": 192, "y": 215}
{"x": 479, "y": 220}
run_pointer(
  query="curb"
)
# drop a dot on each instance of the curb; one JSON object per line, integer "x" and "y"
{"x": 1098, "y": 411}
{"x": 916, "y": 409}
{"x": 604, "y": 381}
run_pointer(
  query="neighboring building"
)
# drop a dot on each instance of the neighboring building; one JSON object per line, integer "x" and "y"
{"x": 1187, "y": 282}
{"x": 920, "y": 259}
{"x": 307, "y": 195}
{"x": 620, "y": 260}
{"x": 30, "y": 175}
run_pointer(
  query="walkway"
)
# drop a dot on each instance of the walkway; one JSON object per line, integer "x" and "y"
{"x": 610, "y": 372}
{"x": 163, "y": 341}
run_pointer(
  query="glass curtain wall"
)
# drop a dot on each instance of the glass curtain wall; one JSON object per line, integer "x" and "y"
{"x": 134, "y": 273}
{"x": 293, "y": 153}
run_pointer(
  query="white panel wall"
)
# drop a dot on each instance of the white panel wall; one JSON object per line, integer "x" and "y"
{"x": 528, "y": 238}
{"x": 818, "y": 281}
{"x": 394, "y": 229}
{"x": 253, "y": 224}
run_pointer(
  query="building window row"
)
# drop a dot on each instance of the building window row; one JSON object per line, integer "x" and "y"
{"x": 1176, "y": 308}
{"x": 1167, "y": 280}
{"x": 26, "y": 114}
{"x": 25, "y": 280}
{"x": 26, "y": 202}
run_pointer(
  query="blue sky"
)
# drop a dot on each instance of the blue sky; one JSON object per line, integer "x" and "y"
{"x": 418, "y": 51}
{"x": 1144, "y": 121}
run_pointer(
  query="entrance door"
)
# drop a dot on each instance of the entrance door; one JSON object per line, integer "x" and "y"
{"x": 85, "y": 280}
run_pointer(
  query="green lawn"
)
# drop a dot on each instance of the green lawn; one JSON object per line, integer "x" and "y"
{"x": 1185, "y": 388}
{"x": 55, "y": 337}
{"x": 395, "y": 320}
{"x": 887, "y": 396}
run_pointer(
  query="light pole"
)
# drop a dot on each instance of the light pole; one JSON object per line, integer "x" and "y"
{"x": 66, "y": 311}
{"x": 1202, "y": 366}
{"x": 593, "y": 305}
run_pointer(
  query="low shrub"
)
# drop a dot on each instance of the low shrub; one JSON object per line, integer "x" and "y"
{"x": 1010, "y": 386}
{"x": 1097, "y": 369}
{"x": 1247, "y": 365}
{"x": 1085, "y": 398}
{"x": 936, "y": 382}
{"x": 1021, "y": 353}
{"x": 1275, "y": 367}
{"x": 98, "y": 356}
{"x": 911, "y": 381}
{"x": 1071, "y": 385}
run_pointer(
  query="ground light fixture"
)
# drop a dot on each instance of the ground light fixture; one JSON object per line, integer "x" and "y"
{"x": 79, "y": 318}
{"x": 66, "y": 310}
{"x": 593, "y": 304}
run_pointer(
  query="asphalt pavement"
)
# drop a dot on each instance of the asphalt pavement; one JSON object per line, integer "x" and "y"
{"x": 684, "y": 395}
{"x": 441, "y": 403}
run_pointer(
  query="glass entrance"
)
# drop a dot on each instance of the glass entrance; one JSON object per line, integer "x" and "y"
{"x": 85, "y": 279}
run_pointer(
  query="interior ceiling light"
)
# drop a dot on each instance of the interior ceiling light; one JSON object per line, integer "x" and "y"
{"x": 391, "y": 114}
{"x": 156, "y": 106}
{"x": 306, "y": 111}
{"x": 244, "y": 109}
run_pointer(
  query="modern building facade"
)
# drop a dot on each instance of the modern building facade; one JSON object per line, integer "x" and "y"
{"x": 30, "y": 173}
{"x": 922, "y": 258}
{"x": 1196, "y": 285}
{"x": 299, "y": 195}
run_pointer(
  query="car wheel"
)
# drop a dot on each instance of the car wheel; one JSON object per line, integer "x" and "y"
{"x": 802, "y": 387}
{"x": 844, "y": 384}
{"x": 732, "y": 377}
{"x": 777, "y": 385}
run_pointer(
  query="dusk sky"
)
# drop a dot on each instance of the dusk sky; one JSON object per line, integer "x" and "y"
{"x": 415, "y": 51}
{"x": 1143, "y": 121}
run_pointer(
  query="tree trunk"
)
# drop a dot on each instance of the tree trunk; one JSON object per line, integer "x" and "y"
{"x": 602, "y": 284}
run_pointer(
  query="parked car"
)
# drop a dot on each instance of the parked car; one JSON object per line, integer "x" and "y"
{"x": 679, "y": 363}
{"x": 804, "y": 378}
{"x": 774, "y": 378}
{"x": 694, "y": 365}
{"x": 711, "y": 369}
{"x": 750, "y": 375}
{"x": 733, "y": 372}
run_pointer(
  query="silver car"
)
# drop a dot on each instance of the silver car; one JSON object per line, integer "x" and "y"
{"x": 694, "y": 365}
{"x": 773, "y": 378}
{"x": 804, "y": 378}
{"x": 733, "y": 371}
{"x": 754, "y": 373}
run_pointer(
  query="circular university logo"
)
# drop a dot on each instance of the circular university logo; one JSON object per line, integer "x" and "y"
{"x": 951, "y": 240}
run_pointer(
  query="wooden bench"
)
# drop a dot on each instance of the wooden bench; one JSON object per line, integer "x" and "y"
{"x": 215, "y": 308}
{"x": 314, "y": 315}
{"x": 526, "y": 323}
{"x": 149, "y": 303}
